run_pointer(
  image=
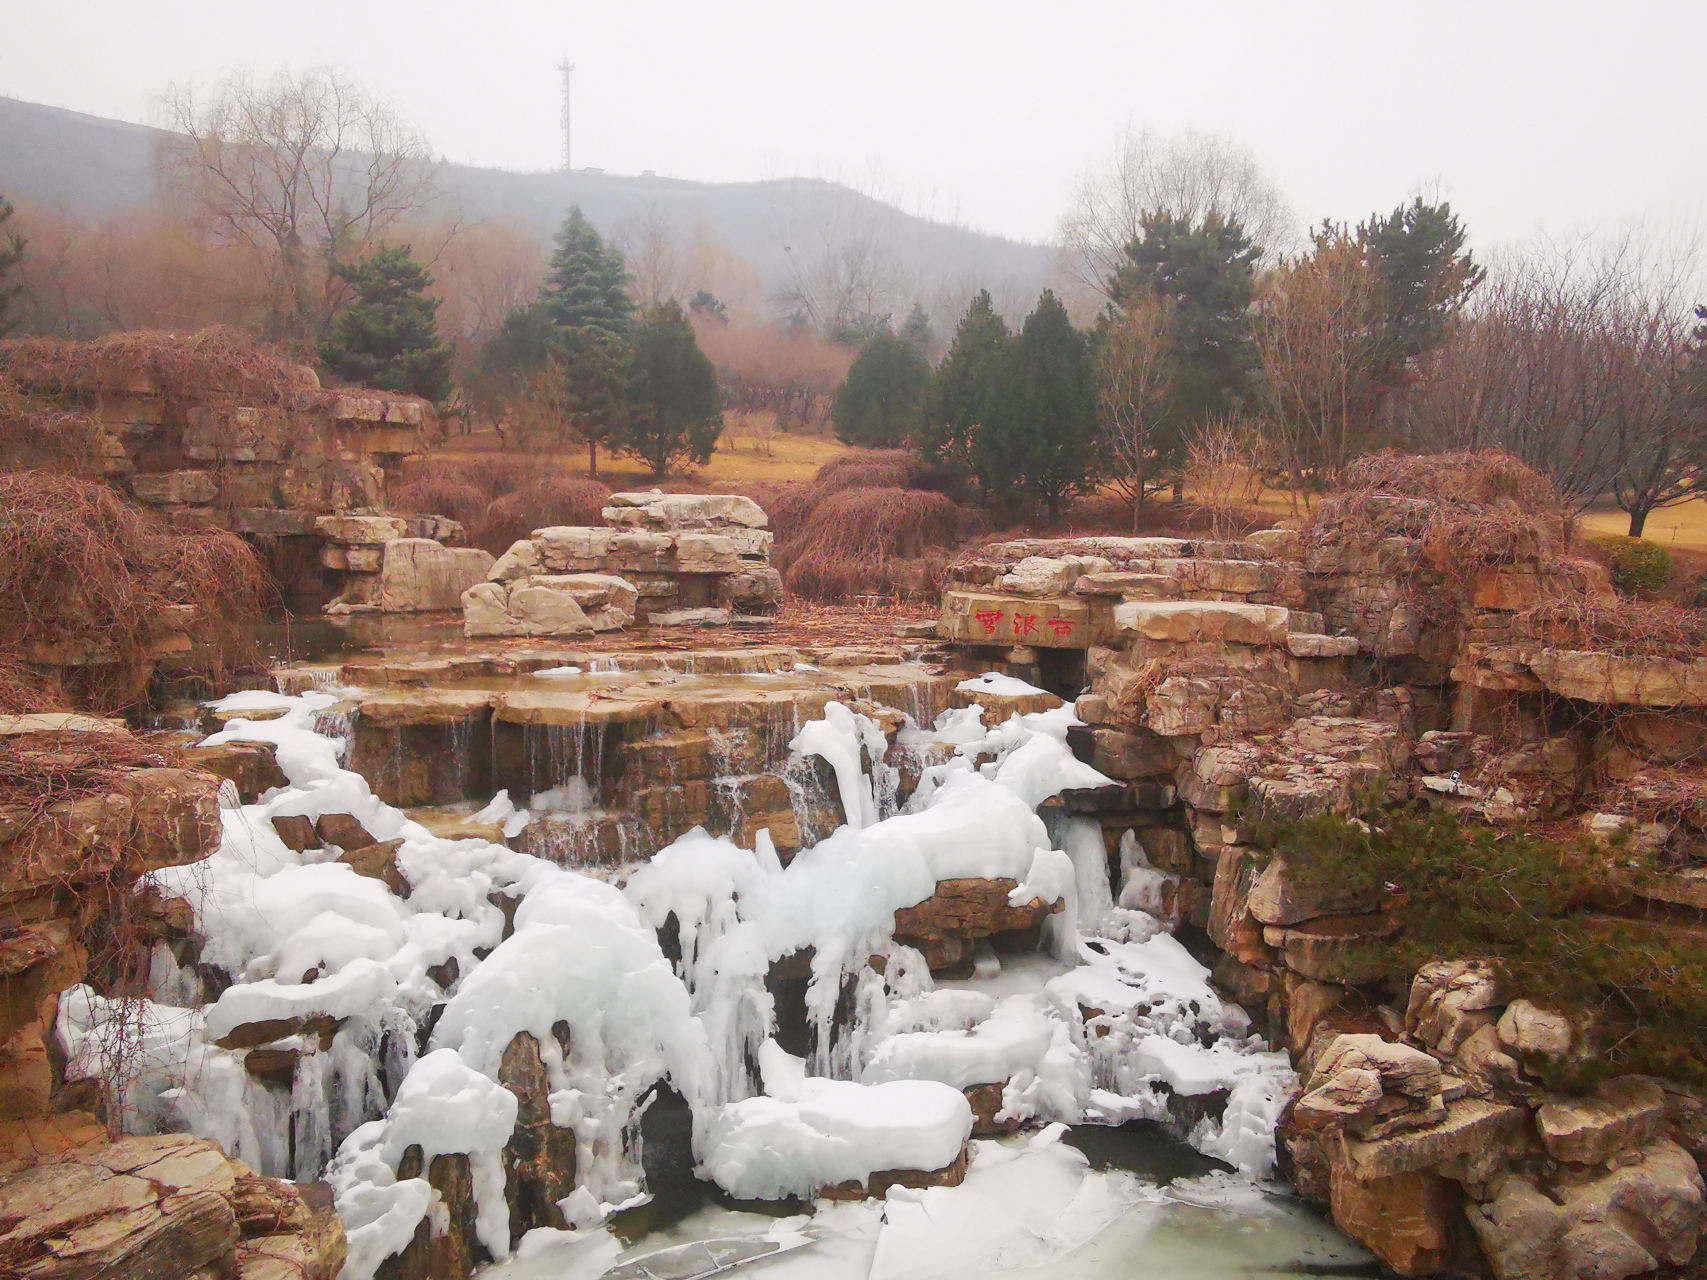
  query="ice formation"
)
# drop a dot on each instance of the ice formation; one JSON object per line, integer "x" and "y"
{"x": 439, "y": 973}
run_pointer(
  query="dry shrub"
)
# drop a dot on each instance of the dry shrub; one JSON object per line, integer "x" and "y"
{"x": 1224, "y": 466}
{"x": 499, "y": 499}
{"x": 86, "y": 574}
{"x": 38, "y": 771}
{"x": 1628, "y": 628}
{"x": 548, "y": 500}
{"x": 37, "y": 434}
{"x": 791, "y": 506}
{"x": 1484, "y": 477}
{"x": 210, "y": 362}
{"x": 887, "y": 541}
{"x": 1677, "y": 796}
{"x": 25, "y": 688}
{"x": 876, "y": 469}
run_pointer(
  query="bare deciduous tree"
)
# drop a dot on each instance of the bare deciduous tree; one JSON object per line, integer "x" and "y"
{"x": 1577, "y": 361}
{"x": 1188, "y": 175}
{"x": 649, "y": 249}
{"x": 307, "y": 171}
{"x": 1224, "y": 468}
{"x": 482, "y": 274}
{"x": 1319, "y": 334}
{"x": 1136, "y": 376}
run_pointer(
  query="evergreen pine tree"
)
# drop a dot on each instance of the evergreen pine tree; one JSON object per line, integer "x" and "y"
{"x": 1043, "y": 408}
{"x": 387, "y": 336}
{"x": 674, "y": 413}
{"x": 586, "y": 287}
{"x": 1429, "y": 276}
{"x": 1208, "y": 271}
{"x": 595, "y": 367}
{"x": 585, "y": 298}
{"x": 706, "y": 303}
{"x": 957, "y": 409}
{"x": 11, "y": 257}
{"x": 917, "y": 330}
{"x": 880, "y": 405}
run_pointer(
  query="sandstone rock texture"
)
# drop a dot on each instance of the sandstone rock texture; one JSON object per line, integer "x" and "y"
{"x": 73, "y": 1203}
{"x": 161, "y": 1208}
{"x": 254, "y": 445}
{"x": 1357, "y": 663}
{"x": 665, "y": 559}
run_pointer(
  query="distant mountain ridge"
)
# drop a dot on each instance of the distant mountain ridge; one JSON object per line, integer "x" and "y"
{"x": 88, "y": 166}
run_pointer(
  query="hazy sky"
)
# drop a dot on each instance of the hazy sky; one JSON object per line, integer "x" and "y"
{"x": 1553, "y": 116}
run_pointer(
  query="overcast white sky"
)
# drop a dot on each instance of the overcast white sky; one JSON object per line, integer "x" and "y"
{"x": 1558, "y": 116}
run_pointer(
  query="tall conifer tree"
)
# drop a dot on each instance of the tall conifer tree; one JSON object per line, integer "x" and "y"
{"x": 957, "y": 411}
{"x": 1044, "y": 408}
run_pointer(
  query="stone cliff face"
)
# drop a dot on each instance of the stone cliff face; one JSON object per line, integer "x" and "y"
{"x": 216, "y": 434}
{"x": 73, "y": 1202}
{"x": 1284, "y": 676}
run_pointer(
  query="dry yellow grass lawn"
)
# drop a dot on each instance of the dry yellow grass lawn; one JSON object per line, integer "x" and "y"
{"x": 1684, "y": 525}
{"x": 741, "y": 457}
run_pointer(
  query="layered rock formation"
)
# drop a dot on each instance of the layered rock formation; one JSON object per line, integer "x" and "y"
{"x": 1287, "y": 675}
{"x": 397, "y": 564}
{"x": 215, "y": 434}
{"x": 73, "y": 1203}
{"x": 665, "y": 559}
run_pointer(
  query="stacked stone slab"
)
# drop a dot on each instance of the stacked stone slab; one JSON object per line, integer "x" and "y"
{"x": 247, "y": 442}
{"x": 397, "y": 564}
{"x": 1286, "y": 676}
{"x": 664, "y": 559}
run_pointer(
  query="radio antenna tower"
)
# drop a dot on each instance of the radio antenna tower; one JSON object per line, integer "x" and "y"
{"x": 567, "y": 68}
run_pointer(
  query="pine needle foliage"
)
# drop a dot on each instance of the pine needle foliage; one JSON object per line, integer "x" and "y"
{"x": 1518, "y": 899}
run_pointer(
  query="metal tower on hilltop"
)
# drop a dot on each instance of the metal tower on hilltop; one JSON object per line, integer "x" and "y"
{"x": 567, "y": 69}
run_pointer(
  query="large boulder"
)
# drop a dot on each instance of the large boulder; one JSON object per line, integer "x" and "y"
{"x": 1622, "y": 1115}
{"x": 549, "y": 605}
{"x": 1630, "y": 1220}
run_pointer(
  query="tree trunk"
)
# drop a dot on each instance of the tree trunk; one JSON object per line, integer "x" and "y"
{"x": 1138, "y": 509}
{"x": 1638, "y": 521}
{"x": 593, "y": 459}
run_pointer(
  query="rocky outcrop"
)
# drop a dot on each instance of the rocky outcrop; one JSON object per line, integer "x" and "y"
{"x": 945, "y": 925}
{"x": 389, "y": 564}
{"x": 1295, "y": 674}
{"x": 217, "y": 435}
{"x": 162, "y": 1208}
{"x": 545, "y": 604}
{"x": 681, "y": 560}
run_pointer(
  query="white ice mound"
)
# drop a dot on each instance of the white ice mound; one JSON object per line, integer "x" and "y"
{"x": 579, "y": 955}
{"x": 443, "y": 1107}
{"x": 828, "y": 1131}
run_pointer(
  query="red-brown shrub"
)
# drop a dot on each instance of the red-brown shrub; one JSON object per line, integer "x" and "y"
{"x": 865, "y": 541}
{"x": 84, "y": 572}
{"x": 548, "y": 500}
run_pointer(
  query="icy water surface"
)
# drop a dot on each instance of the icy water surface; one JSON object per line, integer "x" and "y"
{"x": 1096, "y": 1204}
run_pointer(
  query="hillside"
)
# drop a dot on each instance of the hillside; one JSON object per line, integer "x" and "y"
{"x": 88, "y": 166}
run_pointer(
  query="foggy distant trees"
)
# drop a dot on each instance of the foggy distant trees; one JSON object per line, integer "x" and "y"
{"x": 11, "y": 257}
{"x": 1186, "y": 177}
{"x": 310, "y": 171}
